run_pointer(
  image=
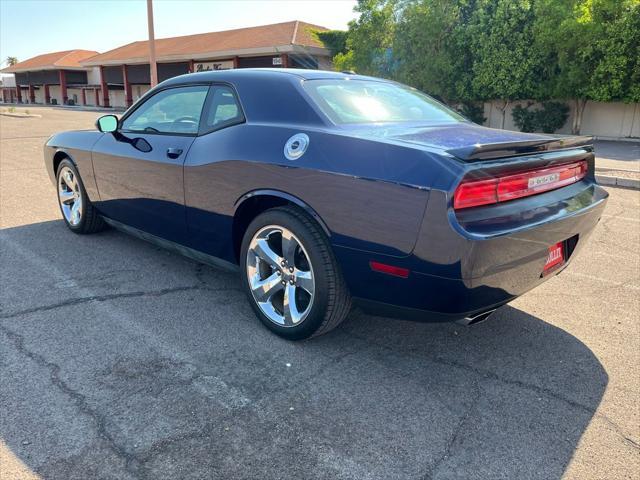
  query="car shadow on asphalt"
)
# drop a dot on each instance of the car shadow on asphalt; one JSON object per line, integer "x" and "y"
{"x": 124, "y": 360}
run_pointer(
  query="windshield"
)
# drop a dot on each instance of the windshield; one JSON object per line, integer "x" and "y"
{"x": 369, "y": 101}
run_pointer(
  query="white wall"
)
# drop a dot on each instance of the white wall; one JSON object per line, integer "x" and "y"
{"x": 54, "y": 92}
{"x": 138, "y": 91}
{"x": 8, "y": 80}
{"x": 116, "y": 98}
{"x": 605, "y": 119}
{"x": 93, "y": 76}
{"x": 78, "y": 95}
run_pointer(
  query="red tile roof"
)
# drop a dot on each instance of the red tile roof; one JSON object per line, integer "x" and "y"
{"x": 209, "y": 44}
{"x": 52, "y": 61}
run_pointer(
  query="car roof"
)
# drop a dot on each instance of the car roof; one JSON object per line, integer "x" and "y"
{"x": 273, "y": 73}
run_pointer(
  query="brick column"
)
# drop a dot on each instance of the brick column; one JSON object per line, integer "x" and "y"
{"x": 96, "y": 91}
{"x": 47, "y": 95}
{"x": 32, "y": 94}
{"x": 236, "y": 62}
{"x": 63, "y": 86}
{"x": 104, "y": 87}
{"x": 128, "y": 96}
{"x": 192, "y": 67}
{"x": 19, "y": 93}
{"x": 84, "y": 96}
{"x": 285, "y": 60}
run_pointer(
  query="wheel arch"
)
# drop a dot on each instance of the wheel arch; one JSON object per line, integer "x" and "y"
{"x": 58, "y": 156}
{"x": 253, "y": 203}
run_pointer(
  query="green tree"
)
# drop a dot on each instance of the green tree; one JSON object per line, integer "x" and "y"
{"x": 11, "y": 61}
{"x": 475, "y": 50}
{"x": 334, "y": 40}
{"x": 594, "y": 48}
{"x": 369, "y": 39}
{"x": 430, "y": 48}
{"x": 505, "y": 66}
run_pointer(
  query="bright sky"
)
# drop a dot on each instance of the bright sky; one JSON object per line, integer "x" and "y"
{"x": 32, "y": 27}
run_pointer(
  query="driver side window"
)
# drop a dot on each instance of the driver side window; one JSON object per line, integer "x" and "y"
{"x": 175, "y": 110}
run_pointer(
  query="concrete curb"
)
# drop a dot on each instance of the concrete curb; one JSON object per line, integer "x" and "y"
{"x": 20, "y": 115}
{"x": 618, "y": 182}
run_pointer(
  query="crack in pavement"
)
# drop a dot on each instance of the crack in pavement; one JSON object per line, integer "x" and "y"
{"x": 487, "y": 374}
{"x": 113, "y": 296}
{"x": 464, "y": 419}
{"x": 80, "y": 401}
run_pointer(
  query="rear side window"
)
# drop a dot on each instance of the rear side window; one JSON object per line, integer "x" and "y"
{"x": 223, "y": 108}
{"x": 175, "y": 110}
{"x": 364, "y": 101}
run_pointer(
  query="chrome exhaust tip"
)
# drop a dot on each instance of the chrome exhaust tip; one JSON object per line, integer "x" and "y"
{"x": 478, "y": 318}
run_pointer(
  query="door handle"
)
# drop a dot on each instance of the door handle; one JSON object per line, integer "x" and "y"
{"x": 174, "y": 152}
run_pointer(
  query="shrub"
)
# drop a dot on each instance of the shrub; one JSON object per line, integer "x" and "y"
{"x": 473, "y": 111}
{"x": 524, "y": 118}
{"x": 551, "y": 117}
{"x": 12, "y": 109}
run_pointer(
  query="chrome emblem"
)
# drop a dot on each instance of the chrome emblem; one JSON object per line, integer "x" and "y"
{"x": 296, "y": 146}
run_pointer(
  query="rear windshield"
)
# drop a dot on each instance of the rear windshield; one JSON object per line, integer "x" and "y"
{"x": 369, "y": 101}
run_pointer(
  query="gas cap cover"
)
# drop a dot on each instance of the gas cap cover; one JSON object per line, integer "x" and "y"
{"x": 296, "y": 146}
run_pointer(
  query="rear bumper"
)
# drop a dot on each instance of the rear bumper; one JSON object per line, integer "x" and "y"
{"x": 464, "y": 265}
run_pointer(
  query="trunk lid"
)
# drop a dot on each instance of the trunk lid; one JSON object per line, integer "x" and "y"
{"x": 471, "y": 142}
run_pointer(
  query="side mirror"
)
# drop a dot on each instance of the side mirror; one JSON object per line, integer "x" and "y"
{"x": 107, "y": 123}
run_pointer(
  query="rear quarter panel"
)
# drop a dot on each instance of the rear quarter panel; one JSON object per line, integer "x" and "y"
{"x": 370, "y": 195}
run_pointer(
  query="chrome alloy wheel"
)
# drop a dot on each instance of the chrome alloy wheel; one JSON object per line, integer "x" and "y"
{"x": 280, "y": 275}
{"x": 69, "y": 196}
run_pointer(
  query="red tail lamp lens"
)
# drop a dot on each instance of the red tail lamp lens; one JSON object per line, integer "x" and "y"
{"x": 473, "y": 193}
{"x": 389, "y": 269}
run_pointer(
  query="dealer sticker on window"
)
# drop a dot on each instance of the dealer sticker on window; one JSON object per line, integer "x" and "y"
{"x": 543, "y": 180}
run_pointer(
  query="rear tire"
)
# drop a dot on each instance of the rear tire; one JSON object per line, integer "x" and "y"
{"x": 77, "y": 210}
{"x": 299, "y": 265}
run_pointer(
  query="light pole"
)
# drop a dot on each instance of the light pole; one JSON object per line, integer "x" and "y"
{"x": 152, "y": 45}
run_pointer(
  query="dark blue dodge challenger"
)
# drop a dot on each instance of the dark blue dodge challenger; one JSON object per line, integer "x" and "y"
{"x": 327, "y": 189}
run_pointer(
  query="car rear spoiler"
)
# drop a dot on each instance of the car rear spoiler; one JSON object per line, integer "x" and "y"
{"x": 509, "y": 149}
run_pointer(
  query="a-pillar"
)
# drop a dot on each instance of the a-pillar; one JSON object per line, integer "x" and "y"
{"x": 63, "y": 86}
{"x": 104, "y": 88}
{"x": 128, "y": 96}
{"x": 32, "y": 94}
{"x": 47, "y": 94}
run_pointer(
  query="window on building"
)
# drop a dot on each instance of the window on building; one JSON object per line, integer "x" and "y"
{"x": 175, "y": 110}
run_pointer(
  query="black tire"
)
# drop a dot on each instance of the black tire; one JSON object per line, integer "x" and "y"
{"x": 90, "y": 219}
{"x": 331, "y": 303}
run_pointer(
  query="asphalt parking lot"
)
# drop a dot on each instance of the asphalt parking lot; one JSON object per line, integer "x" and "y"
{"x": 120, "y": 360}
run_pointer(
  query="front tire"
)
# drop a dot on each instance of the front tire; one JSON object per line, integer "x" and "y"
{"x": 77, "y": 211}
{"x": 291, "y": 276}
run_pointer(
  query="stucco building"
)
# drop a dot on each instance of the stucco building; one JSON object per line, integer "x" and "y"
{"x": 120, "y": 76}
{"x": 125, "y": 73}
{"x": 52, "y": 78}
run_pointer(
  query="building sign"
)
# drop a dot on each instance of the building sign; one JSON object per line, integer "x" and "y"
{"x": 207, "y": 66}
{"x": 277, "y": 60}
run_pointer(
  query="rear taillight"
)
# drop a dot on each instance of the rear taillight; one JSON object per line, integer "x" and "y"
{"x": 473, "y": 193}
